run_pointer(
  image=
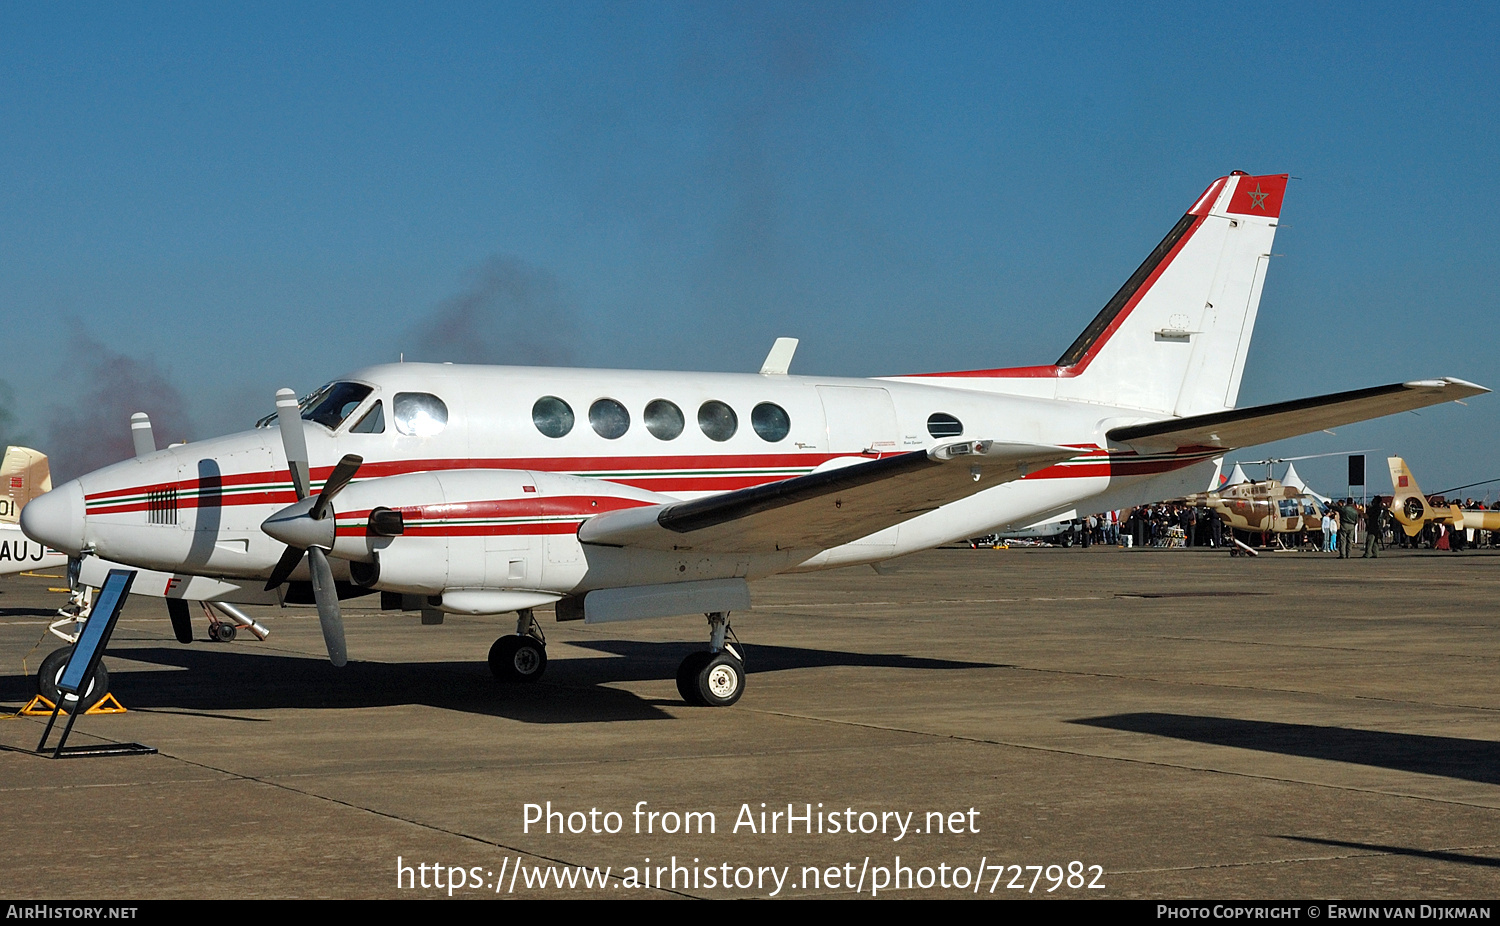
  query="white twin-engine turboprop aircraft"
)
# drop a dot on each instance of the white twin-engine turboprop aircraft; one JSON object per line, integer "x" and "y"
{"x": 623, "y": 495}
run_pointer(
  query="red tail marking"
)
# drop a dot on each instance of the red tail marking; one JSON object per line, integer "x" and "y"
{"x": 1259, "y": 195}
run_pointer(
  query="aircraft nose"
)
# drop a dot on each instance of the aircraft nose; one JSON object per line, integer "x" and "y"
{"x": 56, "y": 519}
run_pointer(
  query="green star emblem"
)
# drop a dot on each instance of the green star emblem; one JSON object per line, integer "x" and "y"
{"x": 1257, "y": 198}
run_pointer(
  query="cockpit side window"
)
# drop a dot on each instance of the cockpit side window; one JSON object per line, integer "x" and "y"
{"x": 419, "y": 414}
{"x": 333, "y": 403}
{"x": 373, "y": 421}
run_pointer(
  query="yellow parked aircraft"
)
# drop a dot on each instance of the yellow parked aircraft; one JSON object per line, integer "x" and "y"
{"x": 1413, "y": 511}
{"x": 24, "y": 475}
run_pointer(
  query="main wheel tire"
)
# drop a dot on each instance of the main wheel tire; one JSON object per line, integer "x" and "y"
{"x": 515, "y": 658}
{"x": 687, "y": 677}
{"x": 721, "y": 681}
{"x": 51, "y": 671}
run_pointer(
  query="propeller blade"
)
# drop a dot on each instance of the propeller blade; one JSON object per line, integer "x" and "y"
{"x": 328, "y": 606}
{"x": 290, "y": 557}
{"x": 289, "y": 417}
{"x": 337, "y": 479}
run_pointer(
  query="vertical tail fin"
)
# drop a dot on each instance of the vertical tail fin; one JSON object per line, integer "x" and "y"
{"x": 1408, "y": 505}
{"x": 24, "y": 475}
{"x": 1173, "y": 339}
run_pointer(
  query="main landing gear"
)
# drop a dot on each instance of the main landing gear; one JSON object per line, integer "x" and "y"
{"x": 715, "y": 678}
{"x": 521, "y": 656}
{"x": 711, "y": 678}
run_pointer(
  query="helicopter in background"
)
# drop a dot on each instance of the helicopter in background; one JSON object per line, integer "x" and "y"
{"x": 1268, "y": 506}
{"x": 1415, "y": 511}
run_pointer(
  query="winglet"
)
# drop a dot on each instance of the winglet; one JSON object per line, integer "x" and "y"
{"x": 779, "y": 360}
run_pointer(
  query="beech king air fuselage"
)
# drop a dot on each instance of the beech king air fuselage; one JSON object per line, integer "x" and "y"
{"x": 198, "y": 508}
{"x": 621, "y": 494}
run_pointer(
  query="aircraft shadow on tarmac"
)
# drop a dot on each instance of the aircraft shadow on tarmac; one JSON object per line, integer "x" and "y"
{"x": 574, "y": 690}
{"x": 1467, "y": 760}
{"x": 28, "y": 612}
{"x": 1436, "y": 855}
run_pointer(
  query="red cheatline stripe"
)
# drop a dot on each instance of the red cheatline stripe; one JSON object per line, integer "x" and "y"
{"x": 477, "y": 530}
{"x": 665, "y": 465}
{"x": 230, "y": 481}
{"x": 1091, "y": 461}
{"x": 545, "y": 506}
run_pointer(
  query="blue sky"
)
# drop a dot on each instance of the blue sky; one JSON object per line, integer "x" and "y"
{"x": 214, "y": 201}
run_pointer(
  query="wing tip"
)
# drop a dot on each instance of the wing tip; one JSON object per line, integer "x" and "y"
{"x": 1462, "y": 386}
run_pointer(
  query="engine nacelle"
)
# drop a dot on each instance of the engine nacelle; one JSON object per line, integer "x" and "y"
{"x": 458, "y": 530}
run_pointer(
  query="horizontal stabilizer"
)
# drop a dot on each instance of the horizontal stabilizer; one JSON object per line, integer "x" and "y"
{"x": 824, "y": 509}
{"x": 1245, "y": 427}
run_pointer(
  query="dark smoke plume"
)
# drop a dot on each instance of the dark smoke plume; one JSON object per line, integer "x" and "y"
{"x": 512, "y": 313}
{"x": 8, "y": 433}
{"x": 95, "y": 430}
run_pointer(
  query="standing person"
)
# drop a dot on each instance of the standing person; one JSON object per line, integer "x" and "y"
{"x": 1330, "y": 529}
{"x": 1373, "y": 528}
{"x": 1348, "y": 517}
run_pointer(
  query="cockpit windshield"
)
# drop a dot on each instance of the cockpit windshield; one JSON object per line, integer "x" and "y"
{"x": 329, "y": 405}
{"x": 333, "y": 403}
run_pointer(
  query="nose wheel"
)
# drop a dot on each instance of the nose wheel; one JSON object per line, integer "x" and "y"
{"x": 52, "y": 669}
{"x": 521, "y": 656}
{"x": 715, "y": 678}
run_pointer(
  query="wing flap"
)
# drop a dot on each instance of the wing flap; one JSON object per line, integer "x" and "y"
{"x": 1245, "y": 427}
{"x": 824, "y": 509}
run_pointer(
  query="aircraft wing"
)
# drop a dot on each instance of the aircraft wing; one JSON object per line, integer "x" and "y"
{"x": 1245, "y": 427}
{"x": 824, "y": 509}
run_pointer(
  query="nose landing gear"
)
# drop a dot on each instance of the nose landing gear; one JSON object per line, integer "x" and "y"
{"x": 52, "y": 669}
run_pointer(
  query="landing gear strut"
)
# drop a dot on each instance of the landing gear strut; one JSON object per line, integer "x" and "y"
{"x": 715, "y": 678}
{"x": 224, "y": 631}
{"x": 521, "y": 656}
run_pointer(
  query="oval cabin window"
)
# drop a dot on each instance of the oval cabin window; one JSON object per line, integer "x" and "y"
{"x": 552, "y": 416}
{"x": 419, "y": 414}
{"x": 770, "y": 421}
{"x": 664, "y": 419}
{"x": 717, "y": 420}
{"x": 609, "y": 419}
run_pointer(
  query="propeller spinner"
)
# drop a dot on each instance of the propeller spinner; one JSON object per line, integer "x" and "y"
{"x": 307, "y": 527}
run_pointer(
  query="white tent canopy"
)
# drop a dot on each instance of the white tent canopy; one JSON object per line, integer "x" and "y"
{"x": 1293, "y": 479}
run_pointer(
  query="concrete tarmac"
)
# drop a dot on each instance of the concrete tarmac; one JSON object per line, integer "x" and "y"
{"x": 1194, "y": 725}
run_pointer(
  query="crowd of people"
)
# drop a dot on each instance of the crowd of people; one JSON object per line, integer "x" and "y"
{"x": 1348, "y": 528}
